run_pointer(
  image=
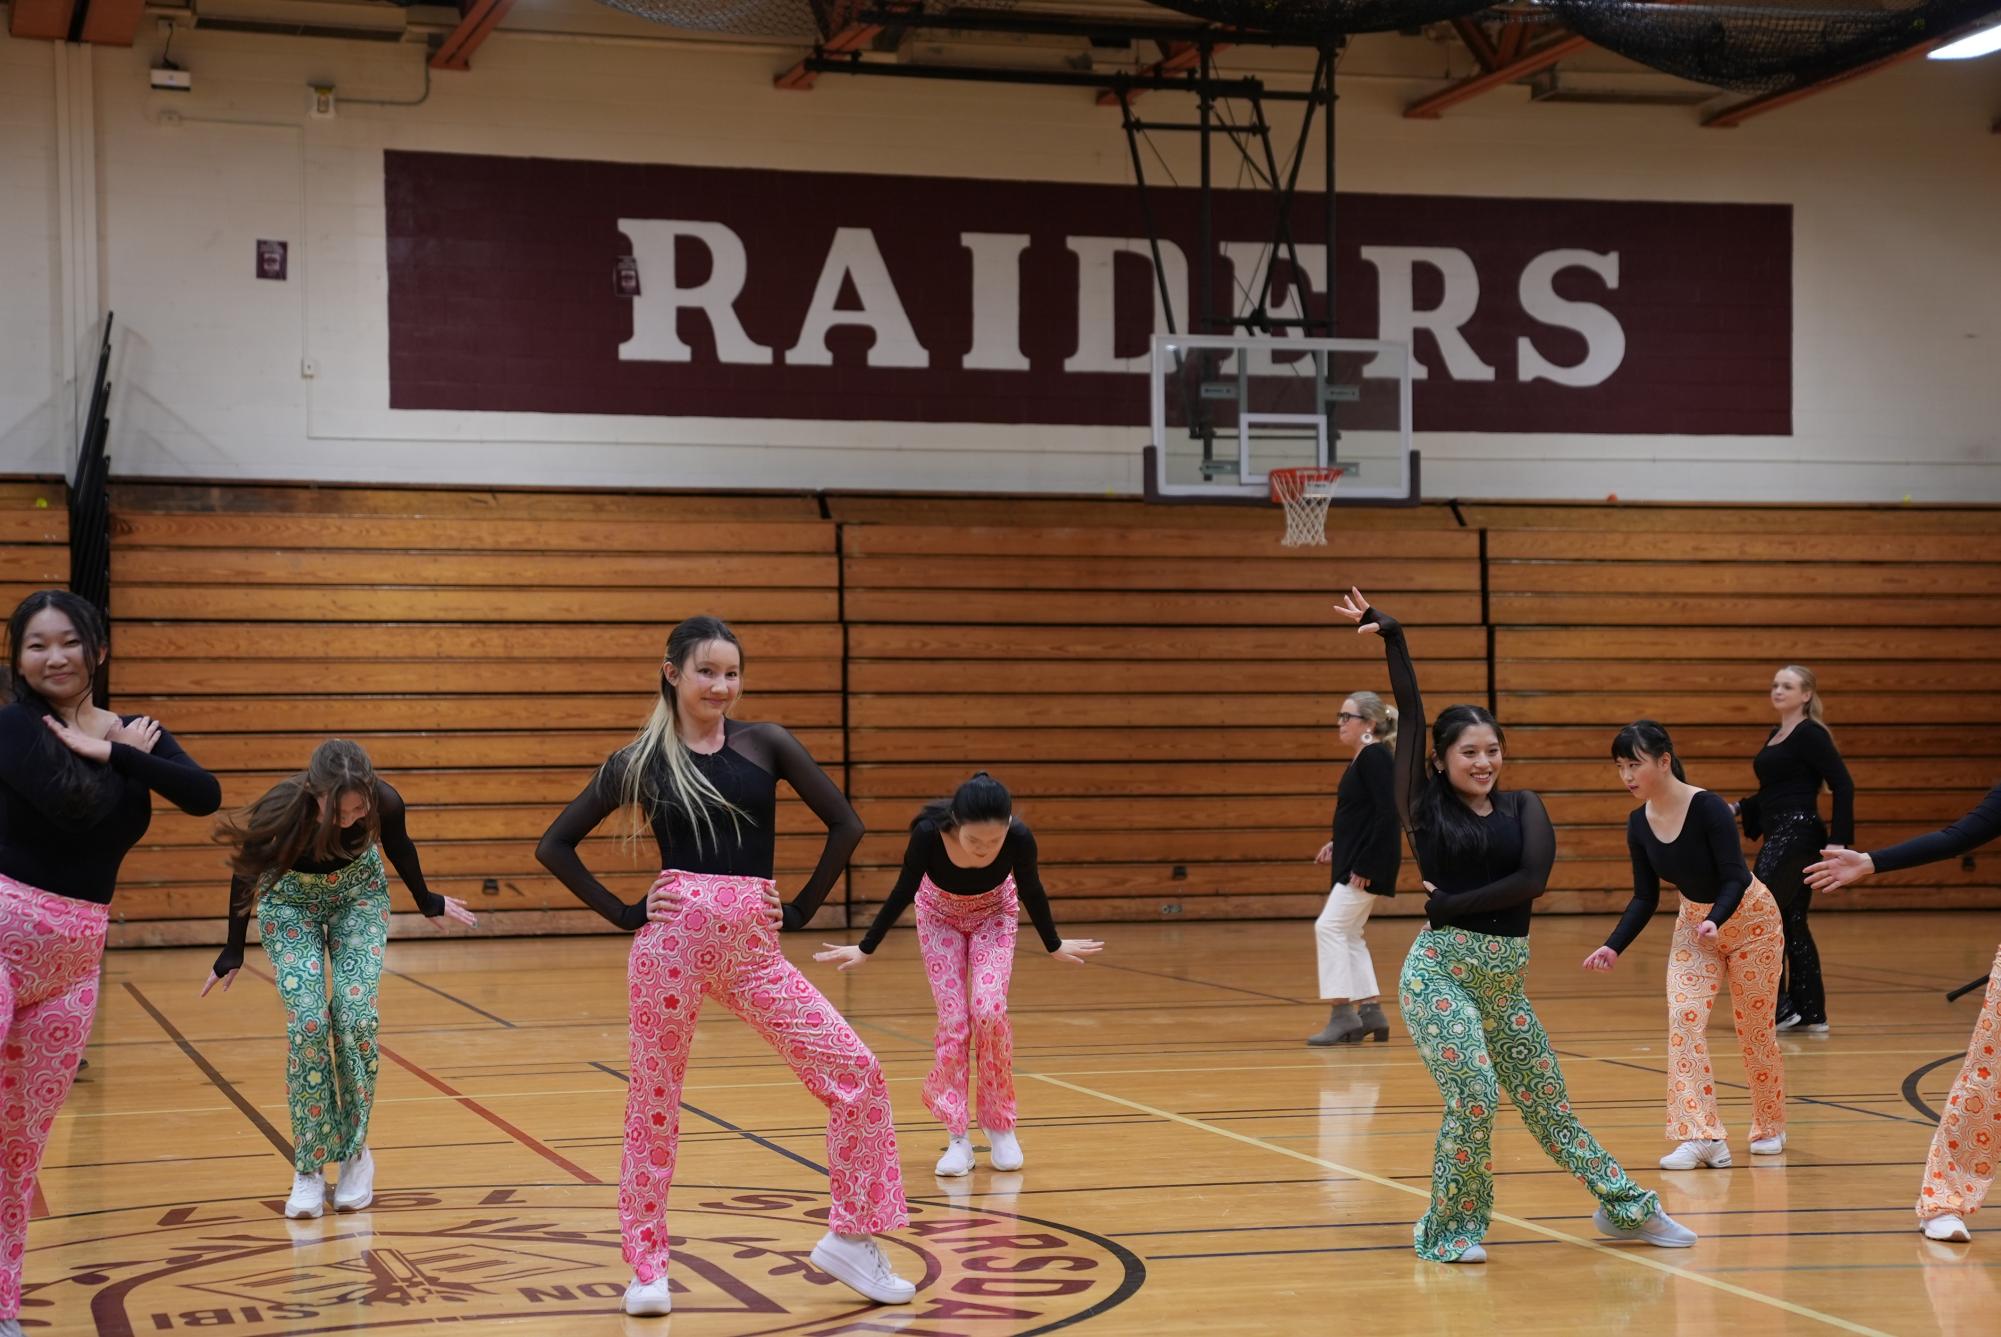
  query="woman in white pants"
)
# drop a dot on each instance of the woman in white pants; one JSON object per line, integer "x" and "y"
{"x": 1364, "y": 854}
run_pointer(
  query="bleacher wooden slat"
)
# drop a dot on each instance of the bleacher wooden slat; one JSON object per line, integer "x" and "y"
{"x": 514, "y": 677}
{"x": 640, "y": 642}
{"x": 425, "y": 604}
{"x": 673, "y": 574}
{"x": 1056, "y": 607}
{"x": 1664, "y": 611}
{"x": 1326, "y": 642}
{"x": 1392, "y": 576}
{"x": 1847, "y": 580}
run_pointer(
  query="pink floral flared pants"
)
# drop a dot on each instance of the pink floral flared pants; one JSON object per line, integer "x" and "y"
{"x": 968, "y": 946}
{"x": 718, "y": 943}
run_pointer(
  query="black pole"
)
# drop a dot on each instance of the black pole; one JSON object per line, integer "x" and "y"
{"x": 1327, "y": 58}
{"x": 1205, "y": 302}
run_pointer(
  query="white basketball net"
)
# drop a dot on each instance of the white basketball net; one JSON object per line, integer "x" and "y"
{"x": 1305, "y": 494}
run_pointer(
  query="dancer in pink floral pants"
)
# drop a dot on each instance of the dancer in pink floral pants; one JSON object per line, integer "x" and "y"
{"x": 969, "y": 867}
{"x": 76, "y": 792}
{"x": 720, "y": 944}
{"x": 707, "y": 788}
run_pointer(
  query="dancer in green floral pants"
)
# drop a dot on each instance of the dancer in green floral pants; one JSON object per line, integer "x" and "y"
{"x": 1463, "y": 1003}
{"x": 308, "y": 920}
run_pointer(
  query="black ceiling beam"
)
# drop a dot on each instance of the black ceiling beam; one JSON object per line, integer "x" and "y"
{"x": 1029, "y": 25}
{"x": 975, "y": 74}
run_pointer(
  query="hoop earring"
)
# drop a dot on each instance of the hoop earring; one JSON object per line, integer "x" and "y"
{"x": 1367, "y": 739}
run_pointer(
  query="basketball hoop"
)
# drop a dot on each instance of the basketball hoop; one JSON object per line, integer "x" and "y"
{"x": 1305, "y": 494}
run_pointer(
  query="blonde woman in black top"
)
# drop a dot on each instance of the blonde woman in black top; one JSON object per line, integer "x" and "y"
{"x": 1364, "y": 855}
{"x": 1798, "y": 760}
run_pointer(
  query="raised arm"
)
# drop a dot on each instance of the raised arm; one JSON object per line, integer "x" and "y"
{"x": 557, "y": 850}
{"x": 1411, "y": 727}
{"x": 1527, "y": 881}
{"x": 915, "y": 856}
{"x": 796, "y": 767}
{"x": 402, "y": 852}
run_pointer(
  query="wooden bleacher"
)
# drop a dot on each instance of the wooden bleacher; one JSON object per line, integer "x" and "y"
{"x": 1157, "y": 684}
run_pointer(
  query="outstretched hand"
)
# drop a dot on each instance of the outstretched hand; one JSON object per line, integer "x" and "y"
{"x": 226, "y": 980}
{"x": 1074, "y": 950}
{"x": 842, "y": 958}
{"x": 1838, "y": 867}
{"x": 1354, "y": 607}
{"x": 455, "y": 910}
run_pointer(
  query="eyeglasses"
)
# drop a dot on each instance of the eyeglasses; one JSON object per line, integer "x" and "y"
{"x": 1344, "y": 717}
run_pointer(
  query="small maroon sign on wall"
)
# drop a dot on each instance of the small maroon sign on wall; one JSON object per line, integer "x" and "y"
{"x": 767, "y": 294}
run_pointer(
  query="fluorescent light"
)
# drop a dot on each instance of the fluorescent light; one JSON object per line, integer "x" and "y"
{"x": 1983, "y": 43}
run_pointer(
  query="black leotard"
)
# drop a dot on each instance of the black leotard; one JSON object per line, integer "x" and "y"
{"x": 395, "y": 834}
{"x": 1705, "y": 862}
{"x": 1489, "y": 893}
{"x": 78, "y": 854}
{"x": 746, "y": 771}
{"x": 925, "y": 857}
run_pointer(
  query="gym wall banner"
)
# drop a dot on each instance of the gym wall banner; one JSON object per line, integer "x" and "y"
{"x": 538, "y": 285}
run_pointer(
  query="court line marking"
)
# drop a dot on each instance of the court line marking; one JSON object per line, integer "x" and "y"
{"x": 574, "y": 1170}
{"x": 1520, "y": 1223}
{"x": 208, "y": 1070}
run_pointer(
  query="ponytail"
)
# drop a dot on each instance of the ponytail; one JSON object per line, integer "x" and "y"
{"x": 980, "y": 799}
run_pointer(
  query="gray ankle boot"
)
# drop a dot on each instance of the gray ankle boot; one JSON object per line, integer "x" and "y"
{"x": 1343, "y": 1027}
{"x": 1375, "y": 1023}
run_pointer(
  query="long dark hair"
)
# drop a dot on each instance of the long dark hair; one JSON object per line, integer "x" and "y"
{"x": 299, "y": 817}
{"x": 79, "y": 787}
{"x": 1458, "y": 833}
{"x": 1647, "y": 740}
{"x": 660, "y": 772}
{"x": 980, "y": 799}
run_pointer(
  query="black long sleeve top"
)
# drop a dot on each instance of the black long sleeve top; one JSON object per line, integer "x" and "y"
{"x": 925, "y": 856}
{"x": 1366, "y": 837}
{"x": 1704, "y": 861}
{"x": 1968, "y": 833}
{"x": 394, "y": 828}
{"x": 1489, "y": 893}
{"x": 78, "y": 854}
{"x": 1790, "y": 775}
{"x": 746, "y": 771}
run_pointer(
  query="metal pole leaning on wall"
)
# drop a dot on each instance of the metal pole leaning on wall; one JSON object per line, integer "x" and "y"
{"x": 90, "y": 504}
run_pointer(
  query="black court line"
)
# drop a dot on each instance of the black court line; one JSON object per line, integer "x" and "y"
{"x": 1740, "y": 1086}
{"x": 727, "y": 1126}
{"x": 1911, "y": 1096}
{"x": 250, "y": 1112}
{"x": 451, "y": 998}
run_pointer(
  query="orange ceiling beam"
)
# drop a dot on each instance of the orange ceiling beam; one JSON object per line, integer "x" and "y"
{"x": 477, "y": 21}
{"x": 1736, "y": 115}
{"x": 852, "y": 38}
{"x": 42, "y": 20}
{"x": 113, "y": 22}
{"x": 1529, "y": 62}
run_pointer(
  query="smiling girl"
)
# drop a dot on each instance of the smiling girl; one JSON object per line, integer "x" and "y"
{"x": 76, "y": 793}
{"x": 970, "y": 867}
{"x": 706, "y": 787}
{"x": 1485, "y": 855}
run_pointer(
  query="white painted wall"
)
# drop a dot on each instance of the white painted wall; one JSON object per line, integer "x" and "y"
{"x": 1895, "y": 180}
{"x": 29, "y": 417}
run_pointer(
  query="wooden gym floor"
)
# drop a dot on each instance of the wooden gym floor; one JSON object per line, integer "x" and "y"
{"x": 1191, "y": 1167}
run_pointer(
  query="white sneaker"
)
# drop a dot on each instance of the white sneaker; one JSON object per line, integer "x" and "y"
{"x": 957, "y": 1160}
{"x": 1949, "y": 1228}
{"x": 1474, "y": 1254}
{"x": 861, "y": 1265}
{"x": 1814, "y": 1027}
{"x": 1768, "y": 1146}
{"x": 1693, "y": 1155}
{"x": 648, "y": 1299}
{"x": 356, "y": 1188}
{"x": 1787, "y": 1022}
{"x": 11, "y": 1327}
{"x": 1660, "y": 1230}
{"x": 1003, "y": 1150}
{"x": 309, "y": 1197}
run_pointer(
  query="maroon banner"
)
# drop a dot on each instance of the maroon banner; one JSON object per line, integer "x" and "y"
{"x": 542, "y": 286}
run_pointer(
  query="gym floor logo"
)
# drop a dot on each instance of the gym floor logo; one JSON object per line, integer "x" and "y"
{"x": 458, "y": 1256}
